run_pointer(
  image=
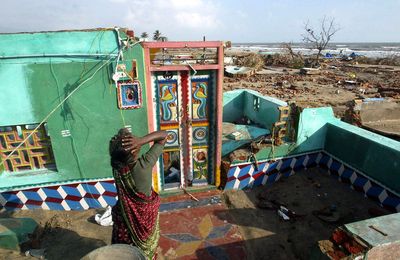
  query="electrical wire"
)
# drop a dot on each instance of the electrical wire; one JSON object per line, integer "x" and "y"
{"x": 68, "y": 96}
{"x": 66, "y": 123}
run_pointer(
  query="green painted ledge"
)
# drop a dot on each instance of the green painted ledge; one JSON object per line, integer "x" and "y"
{"x": 372, "y": 154}
{"x": 15, "y": 231}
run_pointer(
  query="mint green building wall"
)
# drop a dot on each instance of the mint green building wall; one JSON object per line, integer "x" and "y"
{"x": 239, "y": 103}
{"x": 32, "y": 87}
{"x": 372, "y": 154}
{"x": 27, "y": 45}
{"x": 311, "y": 134}
{"x": 267, "y": 113}
{"x": 233, "y": 102}
{"x": 311, "y": 130}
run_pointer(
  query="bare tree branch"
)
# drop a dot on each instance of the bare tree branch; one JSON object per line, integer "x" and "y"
{"x": 320, "y": 40}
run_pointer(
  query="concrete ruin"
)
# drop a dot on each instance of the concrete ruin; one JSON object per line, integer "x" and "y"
{"x": 308, "y": 138}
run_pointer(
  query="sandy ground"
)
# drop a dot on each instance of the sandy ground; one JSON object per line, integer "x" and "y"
{"x": 67, "y": 235}
{"x": 269, "y": 237}
{"x": 71, "y": 235}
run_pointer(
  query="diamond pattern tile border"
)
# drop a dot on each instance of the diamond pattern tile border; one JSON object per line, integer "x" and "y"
{"x": 99, "y": 194}
{"x": 248, "y": 176}
{"x": 76, "y": 196}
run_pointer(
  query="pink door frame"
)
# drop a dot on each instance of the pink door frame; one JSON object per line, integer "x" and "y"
{"x": 219, "y": 67}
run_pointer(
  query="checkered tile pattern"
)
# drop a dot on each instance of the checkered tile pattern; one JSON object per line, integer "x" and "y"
{"x": 360, "y": 182}
{"x": 251, "y": 175}
{"x": 78, "y": 196}
{"x": 99, "y": 194}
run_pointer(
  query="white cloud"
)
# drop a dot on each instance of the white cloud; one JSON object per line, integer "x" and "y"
{"x": 196, "y": 20}
{"x": 241, "y": 14}
{"x": 172, "y": 15}
{"x": 183, "y": 4}
{"x": 118, "y": 1}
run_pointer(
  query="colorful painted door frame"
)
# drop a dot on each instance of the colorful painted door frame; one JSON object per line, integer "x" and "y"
{"x": 186, "y": 71}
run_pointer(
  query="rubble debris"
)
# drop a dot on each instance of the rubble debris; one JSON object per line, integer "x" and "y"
{"x": 237, "y": 72}
{"x": 327, "y": 214}
{"x": 252, "y": 60}
{"x": 248, "y": 134}
{"x": 379, "y": 115}
{"x": 346, "y": 80}
{"x": 310, "y": 71}
{"x": 36, "y": 253}
{"x": 282, "y": 214}
{"x": 375, "y": 238}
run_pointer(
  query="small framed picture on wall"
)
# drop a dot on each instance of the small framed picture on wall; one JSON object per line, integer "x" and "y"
{"x": 129, "y": 95}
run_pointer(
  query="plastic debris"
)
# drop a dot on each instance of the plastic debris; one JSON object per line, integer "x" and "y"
{"x": 235, "y": 135}
{"x": 283, "y": 215}
{"x": 36, "y": 253}
{"x": 105, "y": 219}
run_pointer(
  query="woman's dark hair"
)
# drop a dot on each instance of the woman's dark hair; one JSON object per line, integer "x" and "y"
{"x": 119, "y": 156}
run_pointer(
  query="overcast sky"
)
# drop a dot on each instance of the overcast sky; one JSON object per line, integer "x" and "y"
{"x": 235, "y": 20}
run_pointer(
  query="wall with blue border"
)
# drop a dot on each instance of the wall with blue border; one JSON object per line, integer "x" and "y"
{"x": 374, "y": 155}
{"x": 249, "y": 175}
{"x": 98, "y": 194}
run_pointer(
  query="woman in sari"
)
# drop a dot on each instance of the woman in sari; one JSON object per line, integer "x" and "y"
{"x": 135, "y": 215}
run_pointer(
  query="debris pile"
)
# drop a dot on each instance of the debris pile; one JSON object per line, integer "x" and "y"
{"x": 252, "y": 60}
{"x": 334, "y": 83}
{"x": 341, "y": 246}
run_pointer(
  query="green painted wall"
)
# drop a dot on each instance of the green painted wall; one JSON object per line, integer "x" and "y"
{"x": 239, "y": 103}
{"x": 233, "y": 102}
{"x": 267, "y": 113}
{"x": 311, "y": 130}
{"x": 310, "y": 135}
{"x": 15, "y": 90}
{"x": 67, "y": 42}
{"x": 373, "y": 154}
{"x": 91, "y": 113}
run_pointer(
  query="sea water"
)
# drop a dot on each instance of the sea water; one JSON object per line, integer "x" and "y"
{"x": 370, "y": 49}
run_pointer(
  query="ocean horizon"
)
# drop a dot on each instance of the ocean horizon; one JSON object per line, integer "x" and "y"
{"x": 368, "y": 49}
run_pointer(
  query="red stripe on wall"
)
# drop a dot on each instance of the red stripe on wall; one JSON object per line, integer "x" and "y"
{"x": 74, "y": 198}
{"x": 34, "y": 202}
{"x": 109, "y": 193}
{"x": 54, "y": 200}
{"x": 90, "y": 195}
{"x": 243, "y": 177}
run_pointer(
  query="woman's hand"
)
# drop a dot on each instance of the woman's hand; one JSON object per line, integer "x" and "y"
{"x": 131, "y": 144}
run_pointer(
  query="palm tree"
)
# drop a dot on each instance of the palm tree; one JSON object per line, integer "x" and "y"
{"x": 156, "y": 35}
{"x": 144, "y": 35}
